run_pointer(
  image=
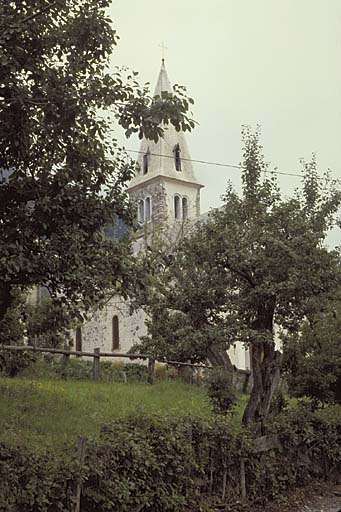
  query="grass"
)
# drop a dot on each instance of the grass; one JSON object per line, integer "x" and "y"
{"x": 51, "y": 414}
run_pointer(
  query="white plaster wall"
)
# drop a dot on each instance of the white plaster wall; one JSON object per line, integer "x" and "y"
{"x": 183, "y": 189}
{"x": 97, "y": 331}
{"x": 237, "y": 355}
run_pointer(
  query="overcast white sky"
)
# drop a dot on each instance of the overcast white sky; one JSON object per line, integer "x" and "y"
{"x": 276, "y": 63}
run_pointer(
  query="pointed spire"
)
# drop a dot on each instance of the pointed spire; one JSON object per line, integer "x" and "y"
{"x": 169, "y": 157}
{"x": 163, "y": 84}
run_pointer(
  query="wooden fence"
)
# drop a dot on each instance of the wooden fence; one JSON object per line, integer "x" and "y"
{"x": 97, "y": 355}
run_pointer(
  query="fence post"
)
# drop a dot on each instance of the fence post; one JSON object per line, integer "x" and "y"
{"x": 65, "y": 361}
{"x": 242, "y": 479}
{"x": 96, "y": 366}
{"x": 81, "y": 459}
{"x": 151, "y": 368}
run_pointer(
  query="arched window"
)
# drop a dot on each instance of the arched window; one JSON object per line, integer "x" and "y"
{"x": 177, "y": 208}
{"x": 79, "y": 339}
{"x": 140, "y": 211}
{"x": 184, "y": 208}
{"x": 148, "y": 209}
{"x": 115, "y": 333}
{"x": 177, "y": 157}
{"x": 146, "y": 161}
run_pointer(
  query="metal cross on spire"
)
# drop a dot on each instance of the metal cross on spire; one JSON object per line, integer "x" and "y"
{"x": 163, "y": 48}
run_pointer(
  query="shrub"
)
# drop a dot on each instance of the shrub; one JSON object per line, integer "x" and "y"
{"x": 279, "y": 403}
{"x": 220, "y": 390}
{"x": 167, "y": 465}
{"x": 82, "y": 369}
{"x": 312, "y": 360}
{"x": 13, "y": 363}
{"x": 164, "y": 372}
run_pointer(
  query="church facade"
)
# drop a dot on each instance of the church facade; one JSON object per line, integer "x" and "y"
{"x": 167, "y": 194}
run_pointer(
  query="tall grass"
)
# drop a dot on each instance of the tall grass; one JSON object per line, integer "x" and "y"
{"x": 43, "y": 414}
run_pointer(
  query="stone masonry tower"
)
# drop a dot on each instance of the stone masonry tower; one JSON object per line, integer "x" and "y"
{"x": 165, "y": 188}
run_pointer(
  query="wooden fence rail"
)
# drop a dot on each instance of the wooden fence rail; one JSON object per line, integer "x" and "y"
{"x": 97, "y": 355}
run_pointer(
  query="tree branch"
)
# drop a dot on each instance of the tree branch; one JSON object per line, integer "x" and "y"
{"x": 243, "y": 275}
{"x": 38, "y": 13}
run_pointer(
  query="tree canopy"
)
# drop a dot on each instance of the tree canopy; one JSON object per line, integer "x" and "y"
{"x": 62, "y": 175}
{"x": 257, "y": 262}
{"x": 312, "y": 357}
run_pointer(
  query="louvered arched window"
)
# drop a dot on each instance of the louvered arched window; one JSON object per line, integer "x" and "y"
{"x": 147, "y": 209}
{"x": 177, "y": 207}
{"x": 146, "y": 161}
{"x": 177, "y": 157}
{"x": 79, "y": 339}
{"x": 185, "y": 208}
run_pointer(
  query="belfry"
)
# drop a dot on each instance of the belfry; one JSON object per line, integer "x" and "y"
{"x": 165, "y": 188}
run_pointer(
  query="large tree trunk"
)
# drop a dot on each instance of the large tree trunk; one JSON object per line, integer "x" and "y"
{"x": 265, "y": 361}
{"x": 265, "y": 366}
{"x": 218, "y": 357}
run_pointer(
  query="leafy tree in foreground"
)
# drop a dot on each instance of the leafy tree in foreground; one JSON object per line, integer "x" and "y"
{"x": 61, "y": 174}
{"x": 312, "y": 358}
{"x": 256, "y": 263}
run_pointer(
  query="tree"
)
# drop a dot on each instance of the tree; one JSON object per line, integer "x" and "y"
{"x": 62, "y": 175}
{"x": 312, "y": 358}
{"x": 257, "y": 262}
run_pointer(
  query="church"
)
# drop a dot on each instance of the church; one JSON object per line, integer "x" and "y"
{"x": 167, "y": 194}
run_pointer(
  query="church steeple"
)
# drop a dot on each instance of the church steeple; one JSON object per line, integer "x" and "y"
{"x": 167, "y": 164}
{"x": 163, "y": 84}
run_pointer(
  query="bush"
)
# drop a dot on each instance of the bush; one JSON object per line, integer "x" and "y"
{"x": 312, "y": 360}
{"x": 164, "y": 372}
{"x": 279, "y": 403}
{"x": 168, "y": 465}
{"x": 13, "y": 363}
{"x": 81, "y": 369}
{"x": 220, "y": 390}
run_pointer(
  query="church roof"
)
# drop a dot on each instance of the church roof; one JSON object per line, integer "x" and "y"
{"x": 161, "y": 161}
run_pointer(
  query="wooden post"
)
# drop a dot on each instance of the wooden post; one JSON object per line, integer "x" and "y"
{"x": 81, "y": 459}
{"x": 242, "y": 479}
{"x": 151, "y": 368}
{"x": 223, "y": 492}
{"x": 211, "y": 472}
{"x": 65, "y": 361}
{"x": 96, "y": 365}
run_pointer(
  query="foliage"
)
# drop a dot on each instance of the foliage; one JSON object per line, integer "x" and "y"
{"x": 256, "y": 262}
{"x": 12, "y": 331}
{"x": 312, "y": 359}
{"x": 14, "y": 363}
{"x": 220, "y": 391}
{"x": 80, "y": 369}
{"x": 34, "y": 482}
{"x": 168, "y": 464}
{"x": 61, "y": 173}
{"x": 12, "y": 327}
{"x": 279, "y": 403}
{"x": 48, "y": 324}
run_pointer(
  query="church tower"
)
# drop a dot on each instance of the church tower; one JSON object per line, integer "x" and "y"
{"x": 167, "y": 196}
{"x": 165, "y": 188}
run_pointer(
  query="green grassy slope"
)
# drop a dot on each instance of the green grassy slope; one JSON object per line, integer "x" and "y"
{"x": 43, "y": 414}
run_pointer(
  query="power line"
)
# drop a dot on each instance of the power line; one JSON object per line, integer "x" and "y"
{"x": 204, "y": 162}
{"x": 232, "y": 166}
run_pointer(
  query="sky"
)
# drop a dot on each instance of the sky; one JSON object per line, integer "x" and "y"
{"x": 267, "y": 62}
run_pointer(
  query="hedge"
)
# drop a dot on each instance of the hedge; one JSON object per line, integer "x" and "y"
{"x": 158, "y": 465}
